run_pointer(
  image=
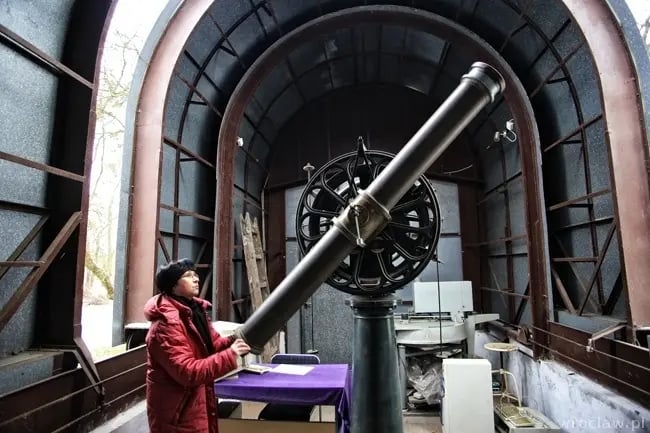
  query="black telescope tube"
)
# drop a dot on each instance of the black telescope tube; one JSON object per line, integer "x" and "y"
{"x": 303, "y": 280}
{"x": 477, "y": 89}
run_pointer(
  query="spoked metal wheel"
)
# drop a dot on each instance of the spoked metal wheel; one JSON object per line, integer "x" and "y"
{"x": 399, "y": 253}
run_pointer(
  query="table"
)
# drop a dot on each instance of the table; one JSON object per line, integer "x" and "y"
{"x": 325, "y": 384}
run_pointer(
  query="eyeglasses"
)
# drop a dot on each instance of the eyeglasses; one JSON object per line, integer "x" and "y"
{"x": 190, "y": 274}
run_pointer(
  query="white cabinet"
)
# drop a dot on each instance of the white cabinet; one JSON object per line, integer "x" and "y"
{"x": 467, "y": 401}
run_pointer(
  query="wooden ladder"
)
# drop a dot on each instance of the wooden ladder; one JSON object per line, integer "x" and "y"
{"x": 256, "y": 270}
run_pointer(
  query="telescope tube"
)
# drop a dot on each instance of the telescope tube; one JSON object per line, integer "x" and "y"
{"x": 477, "y": 89}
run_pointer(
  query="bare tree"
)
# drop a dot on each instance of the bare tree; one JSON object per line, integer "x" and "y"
{"x": 644, "y": 27}
{"x": 115, "y": 81}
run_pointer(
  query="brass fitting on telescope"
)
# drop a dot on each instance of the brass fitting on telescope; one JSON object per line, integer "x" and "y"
{"x": 363, "y": 219}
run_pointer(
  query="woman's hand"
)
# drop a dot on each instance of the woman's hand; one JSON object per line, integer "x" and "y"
{"x": 240, "y": 347}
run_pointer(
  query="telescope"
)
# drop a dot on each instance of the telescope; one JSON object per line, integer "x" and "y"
{"x": 368, "y": 223}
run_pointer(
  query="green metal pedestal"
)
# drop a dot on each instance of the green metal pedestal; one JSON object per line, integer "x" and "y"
{"x": 376, "y": 394}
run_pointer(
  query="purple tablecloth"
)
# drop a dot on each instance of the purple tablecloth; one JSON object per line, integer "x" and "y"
{"x": 327, "y": 384}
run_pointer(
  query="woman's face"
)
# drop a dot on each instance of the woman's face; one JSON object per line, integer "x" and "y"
{"x": 187, "y": 285}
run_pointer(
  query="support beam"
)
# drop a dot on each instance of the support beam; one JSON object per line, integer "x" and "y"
{"x": 614, "y": 296}
{"x": 601, "y": 258}
{"x": 38, "y": 166}
{"x": 628, "y": 147}
{"x": 21, "y": 293}
{"x": 22, "y": 45}
{"x": 20, "y": 249}
{"x": 522, "y": 305}
{"x": 562, "y": 291}
{"x": 141, "y": 260}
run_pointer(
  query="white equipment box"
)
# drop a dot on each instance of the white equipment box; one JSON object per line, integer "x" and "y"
{"x": 467, "y": 404}
{"x": 455, "y": 297}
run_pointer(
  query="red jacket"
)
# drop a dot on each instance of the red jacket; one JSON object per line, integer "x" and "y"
{"x": 180, "y": 373}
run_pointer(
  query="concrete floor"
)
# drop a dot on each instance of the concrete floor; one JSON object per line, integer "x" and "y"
{"x": 422, "y": 424}
{"x": 413, "y": 423}
{"x": 134, "y": 420}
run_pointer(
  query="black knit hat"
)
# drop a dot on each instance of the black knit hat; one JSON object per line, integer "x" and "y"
{"x": 168, "y": 275}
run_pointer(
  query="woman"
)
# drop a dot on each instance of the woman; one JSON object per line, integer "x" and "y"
{"x": 184, "y": 354}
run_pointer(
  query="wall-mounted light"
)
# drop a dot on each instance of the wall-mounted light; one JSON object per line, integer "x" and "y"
{"x": 240, "y": 142}
{"x": 508, "y": 133}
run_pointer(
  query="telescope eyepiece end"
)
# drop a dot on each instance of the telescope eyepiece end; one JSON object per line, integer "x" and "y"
{"x": 488, "y": 77}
